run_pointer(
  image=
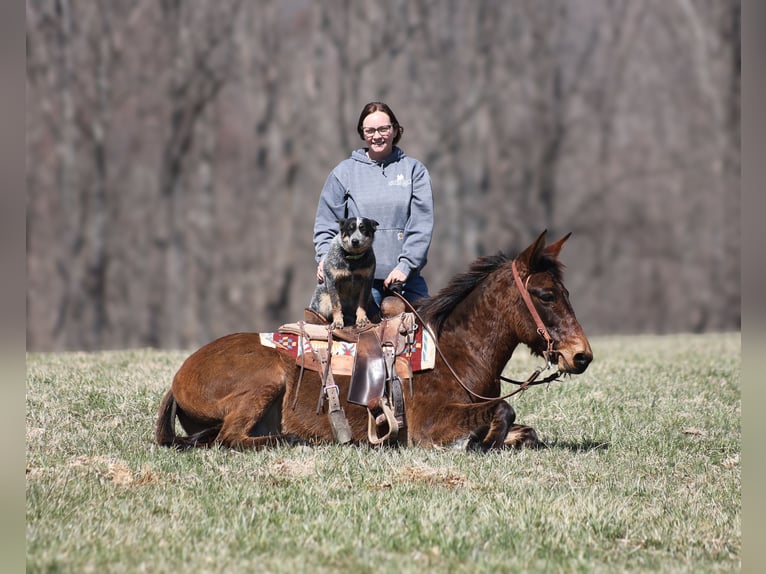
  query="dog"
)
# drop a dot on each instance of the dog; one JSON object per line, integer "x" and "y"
{"x": 349, "y": 268}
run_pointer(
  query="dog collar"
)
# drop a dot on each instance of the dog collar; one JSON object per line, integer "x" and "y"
{"x": 358, "y": 256}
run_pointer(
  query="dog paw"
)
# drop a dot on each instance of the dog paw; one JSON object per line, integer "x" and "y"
{"x": 336, "y": 325}
{"x": 362, "y": 322}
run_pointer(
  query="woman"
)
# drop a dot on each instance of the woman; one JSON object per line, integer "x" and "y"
{"x": 382, "y": 183}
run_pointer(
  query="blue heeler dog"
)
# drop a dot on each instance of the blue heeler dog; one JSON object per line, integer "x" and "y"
{"x": 349, "y": 268}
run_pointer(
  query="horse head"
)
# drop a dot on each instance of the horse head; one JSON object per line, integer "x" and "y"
{"x": 540, "y": 275}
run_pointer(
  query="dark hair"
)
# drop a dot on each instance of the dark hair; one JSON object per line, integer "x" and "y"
{"x": 379, "y": 107}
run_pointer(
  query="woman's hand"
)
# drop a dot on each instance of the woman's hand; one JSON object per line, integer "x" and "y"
{"x": 395, "y": 276}
{"x": 320, "y": 272}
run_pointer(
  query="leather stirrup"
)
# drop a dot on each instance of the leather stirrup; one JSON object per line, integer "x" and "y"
{"x": 369, "y": 375}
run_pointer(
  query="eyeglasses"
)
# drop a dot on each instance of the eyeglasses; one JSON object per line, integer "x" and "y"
{"x": 382, "y": 130}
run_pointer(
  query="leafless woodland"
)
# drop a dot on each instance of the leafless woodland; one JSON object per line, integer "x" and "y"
{"x": 176, "y": 150}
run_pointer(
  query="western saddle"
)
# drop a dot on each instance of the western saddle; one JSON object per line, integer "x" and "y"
{"x": 382, "y": 357}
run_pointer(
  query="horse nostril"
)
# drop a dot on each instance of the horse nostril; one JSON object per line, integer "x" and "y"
{"x": 582, "y": 360}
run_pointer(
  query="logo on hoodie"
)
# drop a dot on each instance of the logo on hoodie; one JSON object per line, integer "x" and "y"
{"x": 400, "y": 181}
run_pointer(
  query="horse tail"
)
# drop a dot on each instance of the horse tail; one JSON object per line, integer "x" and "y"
{"x": 165, "y": 434}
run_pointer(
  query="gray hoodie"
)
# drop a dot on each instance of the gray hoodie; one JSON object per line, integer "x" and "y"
{"x": 395, "y": 192}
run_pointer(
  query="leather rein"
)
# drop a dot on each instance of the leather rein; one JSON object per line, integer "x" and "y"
{"x": 541, "y": 330}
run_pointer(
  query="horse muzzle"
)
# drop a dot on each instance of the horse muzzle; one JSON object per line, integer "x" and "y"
{"x": 575, "y": 358}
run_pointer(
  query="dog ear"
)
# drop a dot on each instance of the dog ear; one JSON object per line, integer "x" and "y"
{"x": 374, "y": 224}
{"x": 341, "y": 223}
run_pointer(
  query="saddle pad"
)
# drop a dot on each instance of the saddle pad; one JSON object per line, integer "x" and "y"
{"x": 423, "y": 354}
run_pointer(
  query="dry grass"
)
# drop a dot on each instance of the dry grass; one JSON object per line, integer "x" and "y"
{"x": 641, "y": 473}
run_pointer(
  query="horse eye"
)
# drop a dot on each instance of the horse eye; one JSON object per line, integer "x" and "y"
{"x": 546, "y": 296}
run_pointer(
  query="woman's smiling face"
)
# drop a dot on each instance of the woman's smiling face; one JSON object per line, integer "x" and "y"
{"x": 380, "y": 144}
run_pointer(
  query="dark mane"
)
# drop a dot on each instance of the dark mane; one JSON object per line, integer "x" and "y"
{"x": 435, "y": 309}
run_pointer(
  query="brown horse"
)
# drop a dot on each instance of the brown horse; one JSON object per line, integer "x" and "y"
{"x": 237, "y": 393}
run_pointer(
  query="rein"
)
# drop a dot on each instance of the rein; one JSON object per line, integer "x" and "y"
{"x": 541, "y": 329}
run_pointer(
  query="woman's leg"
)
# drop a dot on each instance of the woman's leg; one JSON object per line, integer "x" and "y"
{"x": 373, "y": 309}
{"x": 415, "y": 288}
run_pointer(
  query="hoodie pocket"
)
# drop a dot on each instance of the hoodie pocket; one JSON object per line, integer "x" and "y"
{"x": 387, "y": 246}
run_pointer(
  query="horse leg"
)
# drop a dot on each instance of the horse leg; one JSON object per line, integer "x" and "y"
{"x": 490, "y": 436}
{"x": 249, "y": 425}
{"x": 482, "y": 426}
{"x": 500, "y": 431}
{"x": 520, "y": 436}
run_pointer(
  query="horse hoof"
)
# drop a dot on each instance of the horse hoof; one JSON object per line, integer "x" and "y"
{"x": 522, "y": 437}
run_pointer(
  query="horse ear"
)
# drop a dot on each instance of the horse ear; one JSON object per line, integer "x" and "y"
{"x": 531, "y": 255}
{"x": 554, "y": 249}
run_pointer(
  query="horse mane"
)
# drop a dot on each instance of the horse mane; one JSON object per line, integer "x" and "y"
{"x": 435, "y": 309}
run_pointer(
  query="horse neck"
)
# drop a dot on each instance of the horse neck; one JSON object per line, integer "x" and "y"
{"x": 480, "y": 336}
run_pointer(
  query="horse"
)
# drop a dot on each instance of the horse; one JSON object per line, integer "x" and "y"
{"x": 237, "y": 393}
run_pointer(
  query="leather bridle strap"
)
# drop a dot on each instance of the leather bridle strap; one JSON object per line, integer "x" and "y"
{"x": 541, "y": 329}
{"x": 532, "y": 380}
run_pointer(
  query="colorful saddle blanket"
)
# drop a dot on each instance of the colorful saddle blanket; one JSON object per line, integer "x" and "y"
{"x": 343, "y": 352}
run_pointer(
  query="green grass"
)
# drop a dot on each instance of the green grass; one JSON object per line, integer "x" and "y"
{"x": 641, "y": 474}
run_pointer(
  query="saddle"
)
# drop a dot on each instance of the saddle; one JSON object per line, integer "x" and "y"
{"x": 382, "y": 355}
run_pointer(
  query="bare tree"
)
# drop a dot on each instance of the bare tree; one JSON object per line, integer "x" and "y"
{"x": 177, "y": 150}
{"x": 200, "y": 58}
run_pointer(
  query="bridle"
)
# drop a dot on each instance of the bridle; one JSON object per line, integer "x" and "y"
{"x": 542, "y": 330}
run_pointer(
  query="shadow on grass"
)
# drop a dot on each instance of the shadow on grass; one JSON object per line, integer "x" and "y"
{"x": 581, "y": 446}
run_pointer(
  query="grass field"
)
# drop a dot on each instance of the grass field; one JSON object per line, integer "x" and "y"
{"x": 641, "y": 474}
